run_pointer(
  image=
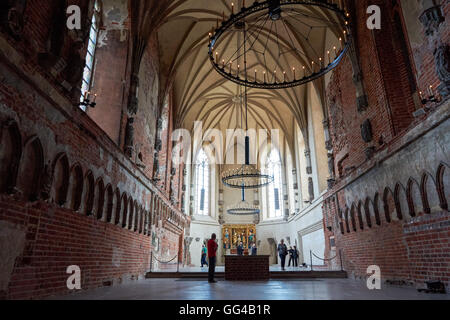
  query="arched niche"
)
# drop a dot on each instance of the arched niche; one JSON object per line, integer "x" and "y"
{"x": 352, "y": 217}
{"x": 401, "y": 202}
{"x": 415, "y": 201}
{"x": 30, "y": 169}
{"x": 99, "y": 198}
{"x": 75, "y": 191}
{"x": 88, "y": 194}
{"x": 430, "y": 195}
{"x": 340, "y": 221}
{"x": 118, "y": 211}
{"x": 369, "y": 212}
{"x": 346, "y": 217}
{"x": 359, "y": 210}
{"x": 61, "y": 178}
{"x": 137, "y": 219}
{"x": 443, "y": 182}
{"x": 109, "y": 203}
{"x": 389, "y": 205}
{"x": 10, "y": 153}
{"x": 123, "y": 210}
{"x": 377, "y": 208}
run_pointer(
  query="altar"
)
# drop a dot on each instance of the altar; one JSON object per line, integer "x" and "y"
{"x": 247, "y": 268}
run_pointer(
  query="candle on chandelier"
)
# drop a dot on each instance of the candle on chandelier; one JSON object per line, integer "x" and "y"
{"x": 304, "y": 71}
{"x": 284, "y": 76}
{"x": 223, "y": 63}
{"x": 217, "y": 57}
{"x": 430, "y": 91}
{"x": 312, "y": 63}
{"x": 293, "y": 71}
{"x": 335, "y": 51}
{"x": 95, "y": 97}
{"x": 329, "y": 58}
{"x": 320, "y": 59}
{"x": 232, "y": 8}
{"x": 264, "y": 77}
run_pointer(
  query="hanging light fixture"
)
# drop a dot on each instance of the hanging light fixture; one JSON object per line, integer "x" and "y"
{"x": 247, "y": 176}
{"x": 243, "y": 208}
{"x": 283, "y": 37}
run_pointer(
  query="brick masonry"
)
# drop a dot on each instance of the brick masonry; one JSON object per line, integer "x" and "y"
{"x": 69, "y": 195}
{"x": 390, "y": 208}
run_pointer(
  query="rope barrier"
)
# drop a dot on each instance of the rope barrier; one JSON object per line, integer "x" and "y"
{"x": 324, "y": 258}
{"x": 166, "y": 262}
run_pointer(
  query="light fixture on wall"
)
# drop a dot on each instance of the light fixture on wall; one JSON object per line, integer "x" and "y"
{"x": 280, "y": 42}
{"x": 87, "y": 97}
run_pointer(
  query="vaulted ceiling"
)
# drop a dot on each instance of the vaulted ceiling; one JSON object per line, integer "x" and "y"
{"x": 201, "y": 94}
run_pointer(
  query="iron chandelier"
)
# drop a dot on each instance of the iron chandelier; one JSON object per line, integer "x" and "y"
{"x": 243, "y": 208}
{"x": 273, "y": 32}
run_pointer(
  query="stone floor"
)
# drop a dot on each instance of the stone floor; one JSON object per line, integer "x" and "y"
{"x": 191, "y": 289}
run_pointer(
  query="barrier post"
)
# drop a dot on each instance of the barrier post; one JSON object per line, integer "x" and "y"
{"x": 310, "y": 257}
{"x": 151, "y": 261}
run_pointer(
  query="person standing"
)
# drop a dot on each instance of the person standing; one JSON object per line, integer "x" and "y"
{"x": 204, "y": 255}
{"x": 254, "y": 249}
{"x": 282, "y": 252}
{"x": 291, "y": 256}
{"x": 240, "y": 249}
{"x": 212, "y": 248}
{"x": 295, "y": 257}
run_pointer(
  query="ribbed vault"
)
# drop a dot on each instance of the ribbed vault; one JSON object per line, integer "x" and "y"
{"x": 201, "y": 94}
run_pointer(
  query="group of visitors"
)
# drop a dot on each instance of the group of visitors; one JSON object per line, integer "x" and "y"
{"x": 240, "y": 249}
{"x": 283, "y": 252}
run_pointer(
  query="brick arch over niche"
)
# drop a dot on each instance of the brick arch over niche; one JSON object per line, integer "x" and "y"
{"x": 10, "y": 153}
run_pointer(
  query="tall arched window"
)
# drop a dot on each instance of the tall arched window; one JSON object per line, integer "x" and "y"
{"x": 275, "y": 190}
{"x": 90, "y": 55}
{"x": 202, "y": 183}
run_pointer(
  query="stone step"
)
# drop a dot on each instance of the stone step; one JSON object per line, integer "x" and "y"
{"x": 273, "y": 274}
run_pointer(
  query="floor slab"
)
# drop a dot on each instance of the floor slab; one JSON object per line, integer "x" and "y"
{"x": 194, "y": 289}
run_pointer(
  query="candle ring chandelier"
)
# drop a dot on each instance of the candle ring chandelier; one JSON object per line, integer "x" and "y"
{"x": 280, "y": 42}
{"x": 243, "y": 208}
{"x": 246, "y": 176}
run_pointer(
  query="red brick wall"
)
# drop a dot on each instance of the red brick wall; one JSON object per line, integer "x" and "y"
{"x": 410, "y": 241}
{"x": 32, "y": 100}
{"x": 57, "y": 238}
